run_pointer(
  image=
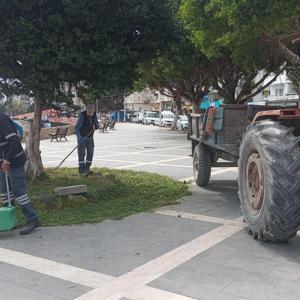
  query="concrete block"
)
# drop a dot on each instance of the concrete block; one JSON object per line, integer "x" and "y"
{"x": 71, "y": 190}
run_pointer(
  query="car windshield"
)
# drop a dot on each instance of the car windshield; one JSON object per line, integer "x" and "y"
{"x": 169, "y": 116}
{"x": 184, "y": 118}
{"x": 153, "y": 115}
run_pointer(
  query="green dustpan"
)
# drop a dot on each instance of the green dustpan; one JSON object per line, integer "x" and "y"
{"x": 8, "y": 219}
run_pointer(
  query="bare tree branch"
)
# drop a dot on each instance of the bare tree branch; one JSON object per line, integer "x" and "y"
{"x": 259, "y": 90}
{"x": 283, "y": 50}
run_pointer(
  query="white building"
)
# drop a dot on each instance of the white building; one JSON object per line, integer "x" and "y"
{"x": 142, "y": 101}
{"x": 280, "y": 90}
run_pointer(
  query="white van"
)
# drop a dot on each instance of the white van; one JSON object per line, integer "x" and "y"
{"x": 150, "y": 117}
{"x": 166, "y": 118}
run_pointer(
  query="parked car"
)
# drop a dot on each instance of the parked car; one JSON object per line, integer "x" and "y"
{"x": 182, "y": 122}
{"x": 132, "y": 117}
{"x": 135, "y": 119}
{"x": 150, "y": 118}
{"x": 166, "y": 118}
{"x": 144, "y": 117}
{"x": 140, "y": 117}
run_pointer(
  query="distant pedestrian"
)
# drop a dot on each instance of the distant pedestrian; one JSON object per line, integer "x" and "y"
{"x": 12, "y": 161}
{"x": 86, "y": 125}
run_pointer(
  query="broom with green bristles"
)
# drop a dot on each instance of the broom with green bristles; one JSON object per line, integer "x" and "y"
{"x": 8, "y": 219}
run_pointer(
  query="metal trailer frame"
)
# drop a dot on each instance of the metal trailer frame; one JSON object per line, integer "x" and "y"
{"x": 230, "y": 124}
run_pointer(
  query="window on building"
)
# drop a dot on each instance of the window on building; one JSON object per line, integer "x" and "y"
{"x": 279, "y": 92}
{"x": 266, "y": 93}
{"x": 291, "y": 89}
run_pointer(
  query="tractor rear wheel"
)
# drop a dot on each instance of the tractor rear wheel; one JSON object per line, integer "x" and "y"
{"x": 202, "y": 164}
{"x": 269, "y": 181}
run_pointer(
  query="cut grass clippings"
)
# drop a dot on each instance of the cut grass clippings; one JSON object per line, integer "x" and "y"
{"x": 112, "y": 194}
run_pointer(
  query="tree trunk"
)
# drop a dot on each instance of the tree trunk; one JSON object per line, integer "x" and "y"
{"x": 34, "y": 164}
{"x": 196, "y": 101}
{"x": 178, "y": 109}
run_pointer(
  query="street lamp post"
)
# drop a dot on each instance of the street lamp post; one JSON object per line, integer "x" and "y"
{"x": 124, "y": 107}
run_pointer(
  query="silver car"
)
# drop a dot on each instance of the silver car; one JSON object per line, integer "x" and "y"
{"x": 182, "y": 122}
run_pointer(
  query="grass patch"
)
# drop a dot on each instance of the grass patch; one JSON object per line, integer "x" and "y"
{"x": 112, "y": 194}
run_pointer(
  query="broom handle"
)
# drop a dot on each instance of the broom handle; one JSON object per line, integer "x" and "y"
{"x": 61, "y": 163}
{"x": 8, "y": 190}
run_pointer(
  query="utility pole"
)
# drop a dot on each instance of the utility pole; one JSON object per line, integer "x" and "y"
{"x": 124, "y": 94}
{"x": 97, "y": 106}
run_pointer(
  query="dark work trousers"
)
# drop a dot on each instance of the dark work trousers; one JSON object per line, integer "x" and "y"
{"x": 85, "y": 155}
{"x": 18, "y": 192}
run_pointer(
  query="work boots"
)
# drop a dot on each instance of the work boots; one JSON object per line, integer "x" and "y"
{"x": 30, "y": 227}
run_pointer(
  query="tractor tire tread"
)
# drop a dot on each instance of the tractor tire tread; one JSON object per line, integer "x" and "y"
{"x": 282, "y": 219}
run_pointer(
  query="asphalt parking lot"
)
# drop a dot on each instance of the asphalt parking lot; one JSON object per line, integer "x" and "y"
{"x": 198, "y": 249}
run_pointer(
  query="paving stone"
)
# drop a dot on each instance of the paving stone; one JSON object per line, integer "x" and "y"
{"x": 261, "y": 265}
{"x": 71, "y": 190}
{"x": 219, "y": 199}
{"x": 227, "y": 256}
{"x": 193, "y": 291}
{"x": 39, "y": 284}
{"x": 220, "y": 270}
{"x": 253, "y": 290}
{"x": 287, "y": 290}
{"x": 10, "y": 291}
{"x": 278, "y": 252}
{"x": 289, "y": 271}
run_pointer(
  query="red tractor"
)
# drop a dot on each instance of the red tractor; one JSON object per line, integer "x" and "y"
{"x": 264, "y": 142}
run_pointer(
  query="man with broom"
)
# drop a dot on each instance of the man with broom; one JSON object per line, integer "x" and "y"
{"x": 86, "y": 124}
{"x": 12, "y": 161}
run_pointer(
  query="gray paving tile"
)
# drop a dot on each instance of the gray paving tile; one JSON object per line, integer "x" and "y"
{"x": 241, "y": 268}
{"x": 219, "y": 199}
{"x": 278, "y": 252}
{"x": 10, "y": 291}
{"x": 226, "y": 256}
{"x": 207, "y": 294}
{"x": 253, "y": 290}
{"x": 36, "y": 284}
{"x": 263, "y": 290}
{"x": 261, "y": 265}
{"x": 287, "y": 290}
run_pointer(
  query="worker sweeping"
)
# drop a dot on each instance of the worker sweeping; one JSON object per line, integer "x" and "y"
{"x": 12, "y": 162}
{"x": 86, "y": 125}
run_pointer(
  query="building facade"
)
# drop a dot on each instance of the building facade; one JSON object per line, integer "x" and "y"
{"x": 146, "y": 100}
{"x": 281, "y": 90}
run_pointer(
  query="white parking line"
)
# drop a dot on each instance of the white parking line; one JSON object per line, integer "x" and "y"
{"x": 144, "y": 152}
{"x": 215, "y": 172}
{"x": 161, "y": 265}
{"x": 142, "y": 144}
{"x": 173, "y": 166}
{"x": 132, "y": 163}
{"x": 149, "y": 163}
{"x": 185, "y": 215}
